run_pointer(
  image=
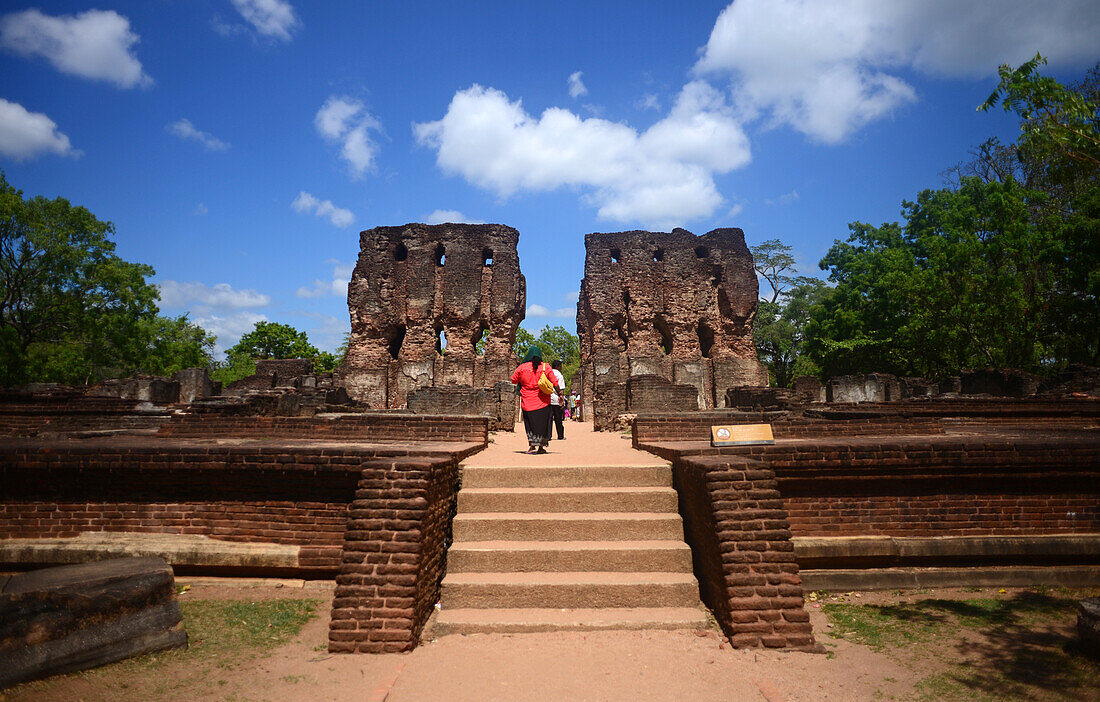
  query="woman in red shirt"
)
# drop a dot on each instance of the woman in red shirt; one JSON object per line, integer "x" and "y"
{"x": 535, "y": 403}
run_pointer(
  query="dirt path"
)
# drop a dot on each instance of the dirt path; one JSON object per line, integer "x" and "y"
{"x": 648, "y": 666}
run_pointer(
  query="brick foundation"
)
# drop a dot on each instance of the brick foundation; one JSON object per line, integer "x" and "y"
{"x": 741, "y": 546}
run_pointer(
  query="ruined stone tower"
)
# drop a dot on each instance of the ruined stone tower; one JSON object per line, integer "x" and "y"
{"x": 421, "y": 297}
{"x": 672, "y": 305}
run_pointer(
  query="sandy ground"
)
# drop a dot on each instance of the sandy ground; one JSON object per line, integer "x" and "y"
{"x": 628, "y": 666}
{"x": 581, "y": 447}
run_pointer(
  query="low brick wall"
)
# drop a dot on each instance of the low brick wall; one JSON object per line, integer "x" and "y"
{"x": 740, "y": 539}
{"x": 378, "y": 523}
{"x": 394, "y": 556}
{"x": 382, "y": 426}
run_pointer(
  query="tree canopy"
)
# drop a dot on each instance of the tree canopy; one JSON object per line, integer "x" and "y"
{"x": 1002, "y": 269}
{"x": 557, "y": 344}
{"x": 73, "y": 311}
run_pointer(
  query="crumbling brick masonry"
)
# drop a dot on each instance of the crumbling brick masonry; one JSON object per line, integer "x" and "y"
{"x": 674, "y": 305}
{"x": 422, "y": 297}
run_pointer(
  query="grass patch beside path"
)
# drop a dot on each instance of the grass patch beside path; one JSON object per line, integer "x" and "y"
{"x": 221, "y": 635}
{"x": 1019, "y": 647}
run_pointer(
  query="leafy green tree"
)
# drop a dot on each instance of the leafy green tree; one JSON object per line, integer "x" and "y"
{"x": 780, "y": 329}
{"x": 1060, "y": 125}
{"x": 70, "y": 309}
{"x": 274, "y": 340}
{"x": 523, "y": 341}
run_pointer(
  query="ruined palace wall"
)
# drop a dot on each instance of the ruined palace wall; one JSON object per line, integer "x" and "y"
{"x": 674, "y": 305}
{"x": 416, "y": 281}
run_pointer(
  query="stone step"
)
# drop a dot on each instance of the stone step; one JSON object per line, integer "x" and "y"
{"x": 566, "y": 476}
{"x": 568, "y": 590}
{"x": 568, "y": 499}
{"x": 567, "y": 526}
{"x": 501, "y": 621}
{"x": 561, "y": 556}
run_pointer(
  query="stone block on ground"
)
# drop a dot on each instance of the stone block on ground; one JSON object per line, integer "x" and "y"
{"x": 60, "y": 620}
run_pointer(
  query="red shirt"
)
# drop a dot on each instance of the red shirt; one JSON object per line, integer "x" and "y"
{"x": 527, "y": 378}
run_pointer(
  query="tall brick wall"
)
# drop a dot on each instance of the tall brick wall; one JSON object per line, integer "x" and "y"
{"x": 413, "y": 283}
{"x": 740, "y": 537}
{"x": 674, "y": 305}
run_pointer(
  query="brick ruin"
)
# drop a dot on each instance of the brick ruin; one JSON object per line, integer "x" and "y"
{"x": 421, "y": 299}
{"x": 673, "y": 305}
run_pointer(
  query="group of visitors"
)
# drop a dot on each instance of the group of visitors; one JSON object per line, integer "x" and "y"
{"x": 545, "y": 405}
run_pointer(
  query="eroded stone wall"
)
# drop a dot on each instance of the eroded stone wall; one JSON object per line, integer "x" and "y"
{"x": 416, "y": 282}
{"x": 674, "y": 305}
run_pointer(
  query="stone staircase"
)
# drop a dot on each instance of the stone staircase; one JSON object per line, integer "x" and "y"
{"x": 548, "y": 548}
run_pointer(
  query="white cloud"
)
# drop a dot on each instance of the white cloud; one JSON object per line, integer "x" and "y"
{"x": 649, "y": 101}
{"x": 784, "y": 199}
{"x": 540, "y": 311}
{"x": 576, "y": 86}
{"x": 573, "y": 297}
{"x": 229, "y": 328}
{"x": 346, "y": 121}
{"x": 96, "y": 44}
{"x": 453, "y": 216}
{"x": 323, "y": 208}
{"x": 270, "y": 18}
{"x": 220, "y": 295}
{"x": 737, "y": 209}
{"x": 185, "y": 130}
{"x": 828, "y": 67}
{"x": 327, "y": 331}
{"x": 338, "y": 285}
{"x": 661, "y": 177}
{"x": 25, "y": 134}
{"x": 200, "y": 209}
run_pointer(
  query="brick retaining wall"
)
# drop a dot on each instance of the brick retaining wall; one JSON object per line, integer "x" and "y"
{"x": 394, "y": 556}
{"x": 357, "y": 427}
{"x": 740, "y": 539}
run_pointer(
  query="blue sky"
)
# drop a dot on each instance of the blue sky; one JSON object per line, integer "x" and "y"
{"x": 239, "y": 146}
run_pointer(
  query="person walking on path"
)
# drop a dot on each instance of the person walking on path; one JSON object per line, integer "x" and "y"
{"x": 557, "y": 400}
{"x": 534, "y": 400}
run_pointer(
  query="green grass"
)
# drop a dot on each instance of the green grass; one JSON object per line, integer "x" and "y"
{"x": 1008, "y": 648}
{"x": 225, "y": 633}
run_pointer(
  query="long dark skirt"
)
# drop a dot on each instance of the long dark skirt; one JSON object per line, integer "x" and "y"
{"x": 537, "y": 424}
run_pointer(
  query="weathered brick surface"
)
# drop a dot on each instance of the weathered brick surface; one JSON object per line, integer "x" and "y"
{"x": 674, "y": 305}
{"x": 417, "y": 281}
{"x": 394, "y": 555}
{"x": 373, "y": 427}
{"x": 735, "y": 521}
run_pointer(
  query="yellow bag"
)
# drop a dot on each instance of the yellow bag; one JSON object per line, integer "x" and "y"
{"x": 545, "y": 386}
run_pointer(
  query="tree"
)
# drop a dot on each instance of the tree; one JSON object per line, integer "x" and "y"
{"x": 773, "y": 260}
{"x": 1059, "y": 125}
{"x": 779, "y": 331}
{"x": 70, "y": 309}
{"x": 274, "y": 340}
{"x": 523, "y": 341}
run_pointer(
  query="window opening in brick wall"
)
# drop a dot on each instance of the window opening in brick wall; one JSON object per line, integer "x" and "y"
{"x": 716, "y": 276}
{"x": 666, "y": 336}
{"x": 616, "y": 254}
{"x": 486, "y": 257}
{"x": 396, "y": 337}
{"x": 401, "y": 253}
{"x": 659, "y": 255}
{"x": 481, "y": 336}
{"x": 701, "y": 252}
{"x": 440, "y": 338}
{"x": 440, "y": 255}
{"x": 706, "y": 339}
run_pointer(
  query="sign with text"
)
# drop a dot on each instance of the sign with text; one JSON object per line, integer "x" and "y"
{"x": 741, "y": 434}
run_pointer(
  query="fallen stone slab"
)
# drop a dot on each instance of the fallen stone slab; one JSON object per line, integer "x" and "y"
{"x": 59, "y": 620}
